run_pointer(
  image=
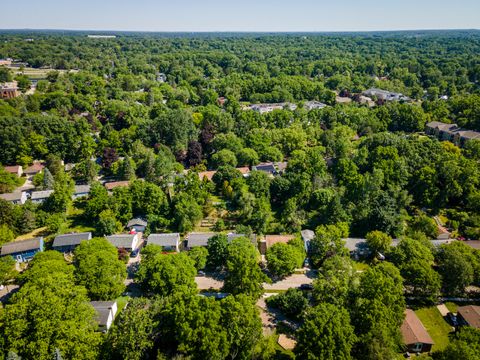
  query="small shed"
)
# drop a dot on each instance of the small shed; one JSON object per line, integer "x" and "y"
{"x": 23, "y": 251}
{"x": 137, "y": 224}
{"x": 105, "y": 313}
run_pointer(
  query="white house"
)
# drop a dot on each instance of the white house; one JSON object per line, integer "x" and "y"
{"x": 105, "y": 313}
{"x": 15, "y": 198}
{"x": 124, "y": 241}
{"x": 80, "y": 191}
{"x": 39, "y": 197}
{"x": 168, "y": 242}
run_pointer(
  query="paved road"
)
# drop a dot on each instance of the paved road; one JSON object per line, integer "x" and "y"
{"x": 293, "y": 281}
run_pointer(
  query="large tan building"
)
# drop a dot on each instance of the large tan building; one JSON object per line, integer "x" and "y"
{"x": 9, "y": 90}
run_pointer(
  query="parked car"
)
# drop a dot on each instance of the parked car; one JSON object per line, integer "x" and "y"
{"x": 134, "y": 253}
{"x": 306, "y": 287}
{"x": 201, "y": 273}
{"x": 452, "y": 319}
{"x": 306, "y": 263}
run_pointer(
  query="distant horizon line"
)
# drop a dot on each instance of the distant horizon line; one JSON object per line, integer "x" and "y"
{"x": 236, "y": 31}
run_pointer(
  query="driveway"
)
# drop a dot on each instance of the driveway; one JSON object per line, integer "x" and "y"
{"x": 293, "y": 281}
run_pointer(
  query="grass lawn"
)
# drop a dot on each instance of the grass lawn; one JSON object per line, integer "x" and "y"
{"x": 122, "y": 302}
{"x": 76, "y": 223}
{"x": 436, "y": 326}
{"x": 451, "y": 306}
{"x": 32, "y": 234}
{"x": 360, "y": 266}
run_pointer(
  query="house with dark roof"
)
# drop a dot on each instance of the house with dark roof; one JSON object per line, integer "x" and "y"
{"x": 137, "y": 224}
{"x": 198, "y": 239}
{"x": 469, "y": 316}
{"x": 80, "y": 191}
{"x": 23, "y": 251}
{"x": 68, "y": 242}
{"x": 38, "y": 197}
{"x": 168, "y": 242}
{"x": 15, "y": 198}
{"x": 268, "y": 168}
{"x": 451, "y": 132}
{"x": 124, "y": 241}
{"x": 105, "y": 313}
{"x": 414, "y": 335}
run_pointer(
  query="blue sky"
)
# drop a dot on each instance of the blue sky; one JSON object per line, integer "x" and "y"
{"x": 240, "y": 15}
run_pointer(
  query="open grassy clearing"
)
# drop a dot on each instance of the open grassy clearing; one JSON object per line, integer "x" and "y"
{"x": 436, "y": 326}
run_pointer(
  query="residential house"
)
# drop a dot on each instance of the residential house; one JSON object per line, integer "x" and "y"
{"x": 266, "y": 108}
{"x": 268, "y": 168}
{"x": 124, "y": 241}
{"x": 137, "y": 224}
{"x": 311, "y": 105}
{"x": 415, "y": 336}
{"x": 68, "y": 242}
{"x": 81, "y": 191}
{"x": 114, "y": 184}
{"x": 168, "y": 242}
{"x": 206, "y": 175}
{"x": 105, "y": 313}
{"x": 6, "y": 62}
{"x": 245, "y": 170}
{"x": 307, "y": 237}
{"x": 451, "y": 132}
{"x": 39, "y": 197}
{"x": 209, "y": 174}
{"x": 475, "y": 244}
{"x": 469, "y": 316}
{"x": 269, "y": 240}
{"x": 34, "y": 169}
{"x": 198, "y": 239}
{"x": 9, "y": 90}
{"x": 358, "y": 247}
{"x": 23, "y": 251}
{"x": 15, "y": 169}
{"x": 385, "y": 95}
{"x": 15, "y": 198}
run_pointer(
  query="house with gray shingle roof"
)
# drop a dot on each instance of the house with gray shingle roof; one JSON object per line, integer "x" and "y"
{"x": 198, "y": 239}
{"x": 23, "y": 251}
{"x": 105, "y": 313}
{"x": 137, "y": 224}
{"x": 81, "y": 191}
{"x": 124, "y": 241}
{"x": 39, "y": 197}
{"x": 68, "y": 242}
{"x": 15, "y": 198}
{"x": 168, "y": 242}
